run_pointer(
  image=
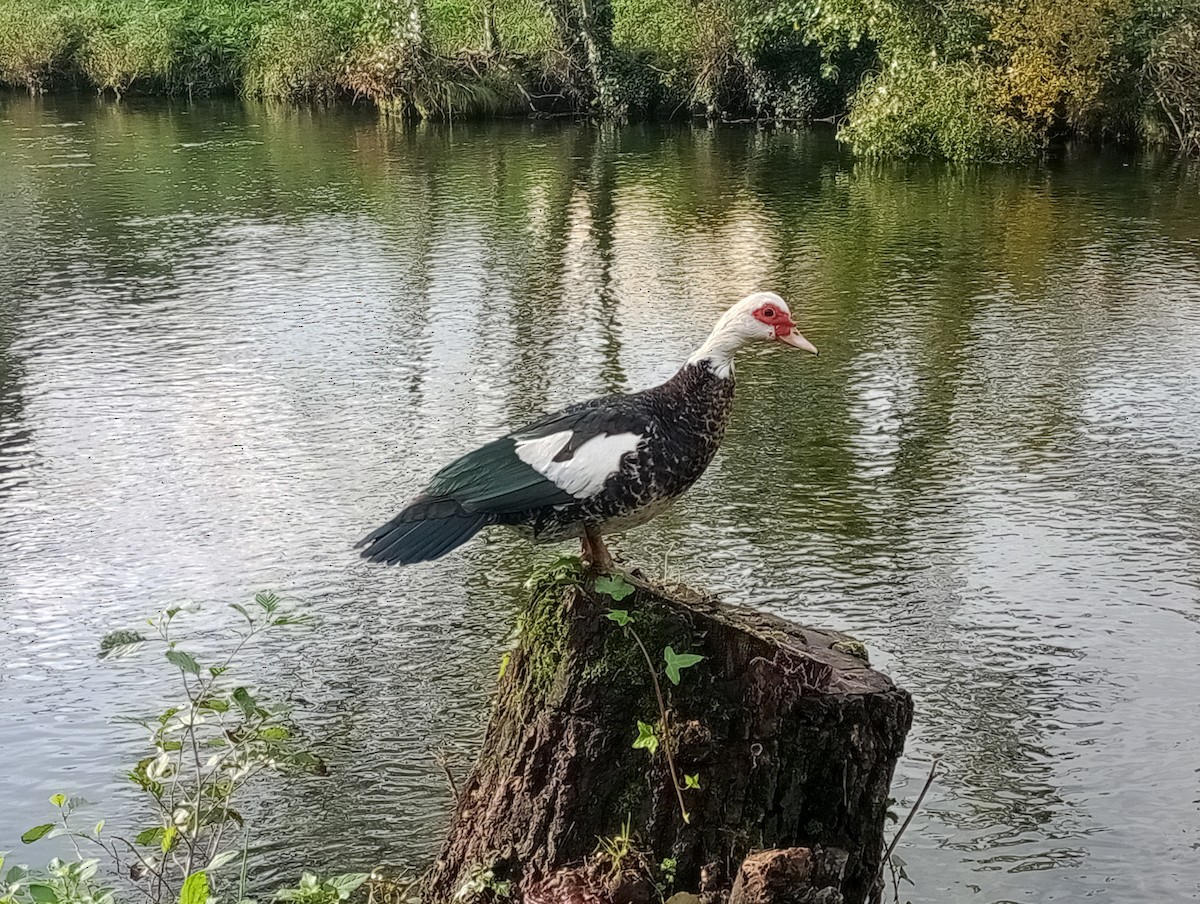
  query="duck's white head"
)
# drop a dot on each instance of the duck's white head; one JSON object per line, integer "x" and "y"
{"x": 763, "y": 316}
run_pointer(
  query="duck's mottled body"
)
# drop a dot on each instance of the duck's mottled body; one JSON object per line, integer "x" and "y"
{"x": 597, "y": 467}
{"x": 679, "y": 427}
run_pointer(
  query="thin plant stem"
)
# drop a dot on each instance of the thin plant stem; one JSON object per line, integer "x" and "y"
{"x": 193, "y": 838}
{"x": 442, "y": 760}
{"x": 166, "y": 813}
{"x": 895, "y": 880}
{"x": 156, "y": 872}
{"x": 662, "y": 711}
{"x": 62, "y": 815}
{"x": 203, "y": 688}
{"x": 242, "y": 875}
{"x": 887, "y": 856}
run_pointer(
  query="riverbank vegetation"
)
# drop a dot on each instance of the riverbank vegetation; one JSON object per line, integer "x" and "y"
{"x": 963, "y": 79}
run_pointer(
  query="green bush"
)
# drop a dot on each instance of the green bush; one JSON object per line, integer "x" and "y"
{"x": 214, "y": 43}
{"x": 668, "y": 30}
{"x": 1173, "y": 72}
{"x": 961, "y": 78}
{"x": 524, "y": 26}
{"x": 638, "y": 85}
{"x": 454, "y": 25}
{"x": 950, "y": 110}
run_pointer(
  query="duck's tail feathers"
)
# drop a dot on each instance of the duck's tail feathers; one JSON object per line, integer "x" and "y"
{"x": 427, "y": 529}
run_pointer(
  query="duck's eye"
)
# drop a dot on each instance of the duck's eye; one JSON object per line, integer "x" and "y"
{"x": 768, "y": 312}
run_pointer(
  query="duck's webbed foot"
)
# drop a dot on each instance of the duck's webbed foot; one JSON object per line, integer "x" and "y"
{"x": 595, "y": 554}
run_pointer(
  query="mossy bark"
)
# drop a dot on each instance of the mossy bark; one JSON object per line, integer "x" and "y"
{"x": 793, "y": 739}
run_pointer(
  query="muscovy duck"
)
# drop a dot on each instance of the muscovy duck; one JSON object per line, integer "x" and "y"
{"x": 597, "y": 467}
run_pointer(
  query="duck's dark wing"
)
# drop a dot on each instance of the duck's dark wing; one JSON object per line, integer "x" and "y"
{"x": 563, "y": 458}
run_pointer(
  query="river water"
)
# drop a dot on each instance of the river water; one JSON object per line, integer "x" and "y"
{"x": 233, "y": 338}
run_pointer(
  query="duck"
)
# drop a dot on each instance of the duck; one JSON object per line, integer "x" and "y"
{"x": 595, "y": 468}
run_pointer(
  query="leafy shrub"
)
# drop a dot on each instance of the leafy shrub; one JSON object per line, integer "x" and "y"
{"x": 205, "y": 750}
{"x": 1058, "y": 57}
{"x": 453, "y": 25}
{"x": 312, "y": 890}
{"x": 957, "y": 78}
{"x": 950, "y": 110}
{"x": 721, "y": 75}
{"x": 524, "y": 26}
{"x": 637, "y": 85}
{"x": 394, "y": 66}
{"x": 61, "y": 882}
{"x": 1173, "y": 73}
{"x": 215, "y": 41}
{"x": 669, "y": 30}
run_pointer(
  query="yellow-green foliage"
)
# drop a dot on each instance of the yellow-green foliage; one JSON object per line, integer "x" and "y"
{"x": 524, "y": 26}
{"x": 693, "y": 47}
{"x": 951, "y": 110}
{"x": 997, "y": 78}
{"x": 669, "y": 29}
{"x": 128, "y": 42}
{"x": 521, "y": 26}
{"x": 1058, "y": 57}
{"x": 300, "y": 50}
{"x": 36, "y": 41}
{"x": 453, "y": 25}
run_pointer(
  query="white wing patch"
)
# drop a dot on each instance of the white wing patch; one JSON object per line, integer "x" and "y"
{"x": 585, "y": 472}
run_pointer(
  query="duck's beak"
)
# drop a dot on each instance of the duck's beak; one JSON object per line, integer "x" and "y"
{"x": 794, "y": 338}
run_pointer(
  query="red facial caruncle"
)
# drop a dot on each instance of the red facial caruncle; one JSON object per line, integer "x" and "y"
{"x": 774, "y": 316}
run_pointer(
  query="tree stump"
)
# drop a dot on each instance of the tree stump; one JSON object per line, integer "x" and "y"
{"x": 790, "y": 734}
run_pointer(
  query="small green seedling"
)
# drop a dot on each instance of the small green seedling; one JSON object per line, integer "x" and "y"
{"x": 678, "y": 661}
{"x": 614, "y": 586}
{"x": 647, "y": 738}
{"x": 620, "y": 616}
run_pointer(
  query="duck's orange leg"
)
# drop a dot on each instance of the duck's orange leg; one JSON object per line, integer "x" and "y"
{"x": 595, "y": 553}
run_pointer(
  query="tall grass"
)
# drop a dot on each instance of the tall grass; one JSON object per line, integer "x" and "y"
{"x": 126, "y": 45}
{"x": 38, "y": 43}
{"x": 299, "y": 50}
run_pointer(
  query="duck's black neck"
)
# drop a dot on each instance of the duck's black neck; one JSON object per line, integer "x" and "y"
{"x": 696, "y": 386}
{"x": 702, "y": 375}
